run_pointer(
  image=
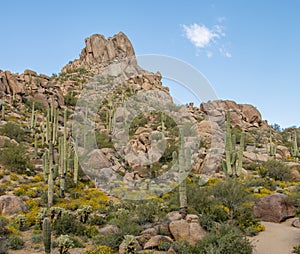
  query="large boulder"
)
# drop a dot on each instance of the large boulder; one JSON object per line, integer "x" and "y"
{"x": 274, "y": 208}
{"x": 251, "y": 114}
{"x": 11, "y": 205}
{"x": 187, "y": 230}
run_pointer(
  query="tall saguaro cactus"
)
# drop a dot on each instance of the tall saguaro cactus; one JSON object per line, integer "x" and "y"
{"x": 182, "y": 183}
{"x": 272, "y": 146}
{"x": 294, "y": 148}
{"x": 76, "y": 164}
{"x": 50, "y": 176}
{"x": 47, "y": 235}
{"x": 233, "y": 156}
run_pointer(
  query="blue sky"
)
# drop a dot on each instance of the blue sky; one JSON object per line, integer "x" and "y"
{"x": 248, "y": 50}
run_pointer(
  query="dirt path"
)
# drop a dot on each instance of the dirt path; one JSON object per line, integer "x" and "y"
{"x": 277, "y": 238}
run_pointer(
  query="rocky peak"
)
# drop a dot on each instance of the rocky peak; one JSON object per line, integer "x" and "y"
{"x": 99, "y": 52}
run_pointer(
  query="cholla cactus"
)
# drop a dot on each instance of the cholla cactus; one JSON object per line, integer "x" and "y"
{"x": 84, "y": 213}
{"x": 21, "y": 221}
{"x": 129, "y": 245}
{"x": 64, "y": 244}
{"x": 43, "y": 213}
{"x": 56, "y": 212}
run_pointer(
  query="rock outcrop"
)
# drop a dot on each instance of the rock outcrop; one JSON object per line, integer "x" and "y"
{"x": 99, "y": 52}
{"x": 29, "y": 86}
{"x": 242, "y": 115}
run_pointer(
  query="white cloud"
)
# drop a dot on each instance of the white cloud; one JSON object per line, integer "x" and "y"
{"x": 224, "y": 52}
{"x": 204, "y": 38}
{"x": 200, "y": 35}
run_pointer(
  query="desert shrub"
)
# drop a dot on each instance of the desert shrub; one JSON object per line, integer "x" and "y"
{"x": 13, "y": 131}
{"x": 230, "y": 193}
{"x": 14, "y": 158}
{"x": 221, "y": 202}
{"x": 149, "y": 211}
{"x": 70, "y": 99}
{"x": 252, "y": 166}
{"x": 103, "y": 140}
{"x": 237, "y": 131}
{"x": 67, "y": 224}
{"x": 111, "y": 240}
{"x": 124, "y": 219}
{"x": 38, "y": 105}
{"x": 3, "y": 223}
{"x": 36, "y": 238}
{"x": 210, "y": 209}
{"x": 228, "y": 239}
{"x": 138, "y": 121}
{"x": 2, "y": 190}
{"x": 276, "y": 170}
{"x": 16, "y": 243}
{"x": 76, "y": 242}
{"x": 99, "y": 250}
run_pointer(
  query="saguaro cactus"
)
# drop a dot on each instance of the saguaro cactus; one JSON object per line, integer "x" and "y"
{"x": 182, "y": 183}
{"x": 47, "y": 235}
{"x": 32, "y": 116}
{"x": 233, "y": 157}
{"x": 272, "y": 146}
{"x": 76, "y": 168}
{"x": 50, "y": 176}
{"x": 294, "y": 147}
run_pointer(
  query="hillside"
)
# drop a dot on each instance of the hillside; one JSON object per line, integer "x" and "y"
{"x": 99, "y": 159}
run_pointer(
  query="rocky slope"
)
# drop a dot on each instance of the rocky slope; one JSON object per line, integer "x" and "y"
{"x": 138, "y": 162}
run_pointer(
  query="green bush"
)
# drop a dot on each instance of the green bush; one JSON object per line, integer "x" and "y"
{"x": 37, "y": 238}
{"x": 111, "y": 240}
{"x": 67, "y": 224}
{"x": 125, "y": 220}
{"x": 16, "y": 243}
{"x": 103, "y": 140}
{"x": 3, "y": 223}
{"x": 14, "y": 158}
{"x": 38, "y": 105}
{"x": 228, "y": 239}
{"x": 139, "y": 121}
{"x": 276, "y": 170}
{"x": 232, "y": 194}
{"x": 13, "y": 131}
{"x": 70, "y": 99}
{"x": 149, "y": 211}
{"x": 252, "y": 166}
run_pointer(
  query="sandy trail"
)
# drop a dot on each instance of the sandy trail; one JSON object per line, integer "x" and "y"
{"x": 278, "y": 238}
